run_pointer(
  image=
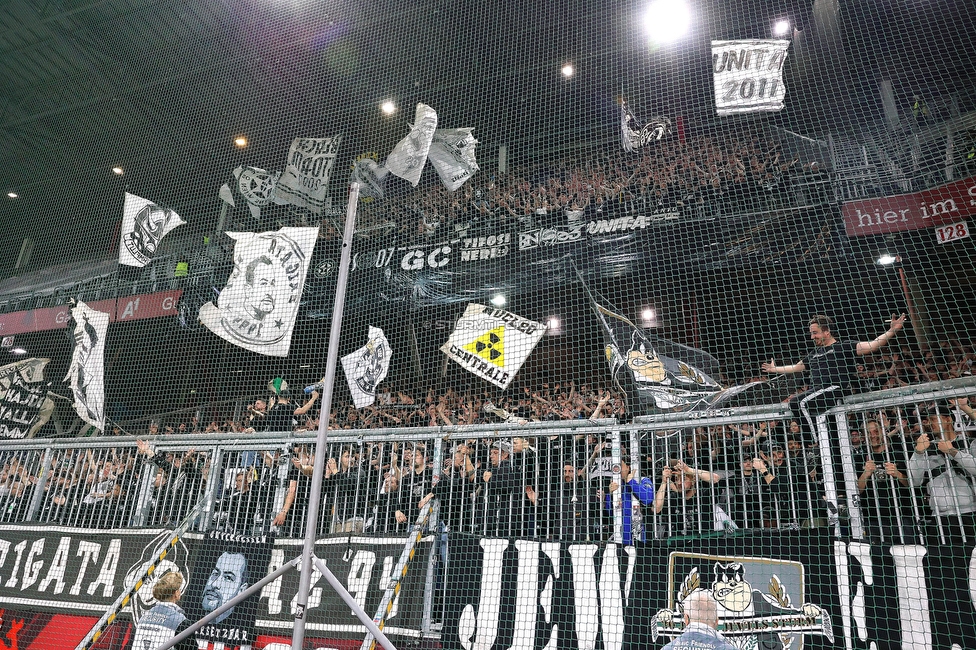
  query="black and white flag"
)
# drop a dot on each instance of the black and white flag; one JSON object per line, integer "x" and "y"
{"x": 633, "y": 135}
{"x": 87, "y": 369}
{"x": 24, "y": 405}
{"x": 253, "y": 187}
{"x": 408, "y": 158}
{"x": 371, "y": 177}
{"x": 306, "y": 177}
{"x": 31, "y": 370}
{"x": 748, "y": 75}
{"x": 144, "y": 224}
{"x": 258, "y": 307}
{"x": 452, "y": 154}
{"x": 367, "y": 367}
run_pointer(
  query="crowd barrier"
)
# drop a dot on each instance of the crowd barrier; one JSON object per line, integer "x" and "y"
{"x": 743, "y": 479}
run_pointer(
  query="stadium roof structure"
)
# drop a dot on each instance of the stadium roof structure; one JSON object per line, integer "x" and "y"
{"x": 161, "y": 89}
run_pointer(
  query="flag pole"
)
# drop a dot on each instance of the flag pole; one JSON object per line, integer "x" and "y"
{"x": 318, "y": 467}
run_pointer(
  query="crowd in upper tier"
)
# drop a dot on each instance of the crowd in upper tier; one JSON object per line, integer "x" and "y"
{"x": 701, "y": 176}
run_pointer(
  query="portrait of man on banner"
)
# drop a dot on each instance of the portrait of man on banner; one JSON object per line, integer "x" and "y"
{"x": 225, "y": 566}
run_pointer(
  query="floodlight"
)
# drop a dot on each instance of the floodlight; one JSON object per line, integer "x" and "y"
{"x": 13, "y": 195}
{"x": 568, "y": 70}
{"x": 240, "y": 141}
{"x": 498, "y": 300}
{"x": 118, "y": 171}
{"x": 886, "y": 259}
{"x": 667, "y": 20}
{"x": 781, "y": 27}
{"x": 18, "y": 351}
{"x": 388, "y": 107}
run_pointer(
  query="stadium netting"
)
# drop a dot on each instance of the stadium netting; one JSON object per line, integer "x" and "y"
{"x": 484, "y": 326}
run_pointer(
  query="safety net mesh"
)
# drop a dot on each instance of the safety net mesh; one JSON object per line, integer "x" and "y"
{"x": 487, "y": 325}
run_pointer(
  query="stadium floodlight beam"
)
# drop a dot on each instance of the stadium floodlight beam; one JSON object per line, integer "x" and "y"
{"x": 781, "y": 27}
{"x": 568, "y": 70}
{"x": 118, "y": 171}
{"x": 886, "y": 259}
{"x": 665, "y": 21}
{"x": 13, "y": 195}
{"x": 18, "y": 351}
{"x": 388, "y": 107}
{"x": 498, "y": 300}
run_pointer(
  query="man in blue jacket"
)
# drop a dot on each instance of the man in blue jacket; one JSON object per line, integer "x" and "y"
{"x": 643, "y": 491}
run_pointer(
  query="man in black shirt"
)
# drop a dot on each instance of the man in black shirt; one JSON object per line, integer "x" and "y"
{"x": 832, "y": 366}
{"x": 833, "y": 375}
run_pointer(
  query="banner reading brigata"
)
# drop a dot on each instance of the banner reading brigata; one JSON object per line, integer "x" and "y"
{"x": 933, "y": 207}
{"x": 774, "y": 590}
{"x": 77, "y": 574}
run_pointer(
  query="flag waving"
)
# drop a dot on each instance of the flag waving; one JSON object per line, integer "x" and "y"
{"x": 87, "y": 369}
{"x": 650, "y": 379}
{"x": 144, "y": 224}
{"x": 492, "y": 343}
{"x": 409, "y": 156}
{"x": 23, "y": 398}
{"x": 258, "y": 307}
{"x": 306, "y": 176}
{"x": 367, "y": 367}
{"x": 634, "y": 136}
{"x": 452, "y": 154}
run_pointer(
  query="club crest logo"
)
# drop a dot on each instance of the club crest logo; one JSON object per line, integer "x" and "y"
{"x": 761, "y": 602}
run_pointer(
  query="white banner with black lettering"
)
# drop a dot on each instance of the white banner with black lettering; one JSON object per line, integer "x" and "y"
{"x": 409, "y": 156}
{"x": 492, "y": 343}
{"x": 87, "y": 368}
{"x": 306, "y": 176}
{"x": 24, "y": 406}
{"x": 258, "y": 307}
{"x": 748, "y": 75}
{"x": 452, "y": 154}
{"x": 367, "y": 367}
{"x": 144, "y": 224}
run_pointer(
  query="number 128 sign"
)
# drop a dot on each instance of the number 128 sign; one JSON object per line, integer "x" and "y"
{"x": 952, "y": 232}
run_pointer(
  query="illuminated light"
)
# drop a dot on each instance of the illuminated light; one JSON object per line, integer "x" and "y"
{"x": 648, "y": 314}
{"x": 18, "y": 351}
{"x": 305, "y": 365}
{"x": 498, "y": 300}
{"x": 118, "y": 171}
{"x": 13, "y": 195}
{"x": 781, "y": 27}
{"x": 568, "y": 70}
{"x": 665, "y": 21}
{"x": 553, "y": 322}
{"x": 388, "y": 107}
{"x": 240, "y": 142}
{"x": 886, "y": 259}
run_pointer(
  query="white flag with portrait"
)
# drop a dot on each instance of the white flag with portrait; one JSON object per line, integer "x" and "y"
{"x": 258, "y": 307}
{"x": 87, "y": 368}
{"x": 306, "y": 176}
{"x": 493, "y": 343}
{"x": 367, "y": 367}
{"x": 452, "y": 154}
{"x": 408, "y": 158}
{"x": 748, "y": 75}
{"x": 144, "y": 224}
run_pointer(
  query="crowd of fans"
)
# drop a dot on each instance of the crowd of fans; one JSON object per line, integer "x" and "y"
{"x": 761, "y": 475}
{"x": 701, "y": 176}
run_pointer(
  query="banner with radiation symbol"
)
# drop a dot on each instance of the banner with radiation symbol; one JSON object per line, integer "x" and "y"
{"x": 493, "y": 343}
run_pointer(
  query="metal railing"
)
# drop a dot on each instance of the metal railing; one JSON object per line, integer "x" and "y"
{"x": 731, "y": 472}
